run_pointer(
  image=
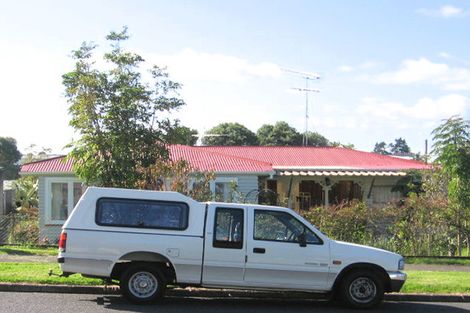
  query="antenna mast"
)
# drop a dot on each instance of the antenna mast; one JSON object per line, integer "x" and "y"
{"x": 307, "y": 76}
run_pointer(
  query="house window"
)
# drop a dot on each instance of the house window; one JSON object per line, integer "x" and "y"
{"x": 59, "y": 198}
{"x": 224, "y": 189}
{"x": 62, "y": 194}
{"x": 344, "y": 192}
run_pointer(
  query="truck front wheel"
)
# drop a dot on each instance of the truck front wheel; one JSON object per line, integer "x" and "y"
{"x": 362, "y": 289}
{"x": 142, "y": 283}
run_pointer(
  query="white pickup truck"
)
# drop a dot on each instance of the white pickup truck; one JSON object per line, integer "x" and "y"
{"x": 147, "y": 240}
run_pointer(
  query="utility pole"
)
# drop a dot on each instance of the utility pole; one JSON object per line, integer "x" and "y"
{"x": 307, "y": 76}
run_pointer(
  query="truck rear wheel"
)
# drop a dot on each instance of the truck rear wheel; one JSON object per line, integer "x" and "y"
{"x": 142, "y": 283}
{"x": 362, "y": 289}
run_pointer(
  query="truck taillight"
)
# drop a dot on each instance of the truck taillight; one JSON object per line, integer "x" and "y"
{"x": 62, "y": 241}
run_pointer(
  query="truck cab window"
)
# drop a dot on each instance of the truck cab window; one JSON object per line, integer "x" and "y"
{"x": 228, "y": 228}
{"x": 281, "y": 226}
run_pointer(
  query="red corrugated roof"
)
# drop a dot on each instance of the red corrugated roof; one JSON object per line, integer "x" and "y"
{"x": 53, "y": 165}
{"x": 318, "y": 157}
{"x": 216, "y": 161}
{"x": 259, "y": 159}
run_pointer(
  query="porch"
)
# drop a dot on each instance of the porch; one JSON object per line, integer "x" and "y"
{"x": 302, "y": 190}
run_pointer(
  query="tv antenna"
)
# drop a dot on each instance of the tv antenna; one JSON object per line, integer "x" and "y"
{"x": 307, "y": 76}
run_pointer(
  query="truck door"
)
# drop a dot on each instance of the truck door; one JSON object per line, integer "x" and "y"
{"x": 275, "y": 257}
{"x": 224, "y": 246}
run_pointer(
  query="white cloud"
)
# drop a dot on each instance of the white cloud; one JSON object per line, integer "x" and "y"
{"x": 345, "y": 68}
{"x": 446, "y": 11}
{"x": 190, "y": 65}
{"x": 425, "y": 71}
{"x": 363, "y": 66}
{"x": 424, "y": 109}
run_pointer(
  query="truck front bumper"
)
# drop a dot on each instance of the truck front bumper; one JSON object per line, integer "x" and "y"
{"x": 397, "y": 279}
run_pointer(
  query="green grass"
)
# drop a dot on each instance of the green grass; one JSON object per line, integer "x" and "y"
{"x": 440, "y": 261}
{"x": 37, "y": 273}
{"x": 417, "y": 282}
{"x": 28, "y": 250}
{"x": 437, "y": 282}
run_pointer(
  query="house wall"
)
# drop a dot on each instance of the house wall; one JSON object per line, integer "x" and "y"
{"x": 48, "y": 233}
{"x": 247, "y": 186}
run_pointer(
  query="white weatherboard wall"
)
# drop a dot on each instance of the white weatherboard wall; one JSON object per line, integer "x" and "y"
{"x": 47, "y": 232}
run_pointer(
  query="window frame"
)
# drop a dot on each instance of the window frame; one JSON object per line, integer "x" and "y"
{"x": 320, "y": 240}
{"x": 224, "y": 180}
{"x": 185, "y": 205}
{"x": 48, "y": 181}
{"x": 228, "y": 244}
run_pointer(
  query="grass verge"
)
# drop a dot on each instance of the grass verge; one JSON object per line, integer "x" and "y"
{"x": 418, "y": 281}
{"x": 437, "y": 261}
{"x": 28, "y": 250}
{"x": 437, "y": 282}
{"x": 37, "y": 273}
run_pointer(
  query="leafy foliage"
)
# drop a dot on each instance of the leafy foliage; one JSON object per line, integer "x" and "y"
{"x": 24, "y": 226}
{"x": 315, "y": 139}
{"x": 381, "y": 148}
{"x": 120, "y": 119}
{"x": 279, "y": 134}
{"x": 34, "y": 153}
{"x": 230, "y": 134}
{"x": 452, "y": 148}
{"x": 418, "y": 225}
{"x": 398, "y": 147}
{"x": 180, "y": 176}
{"x": 183, "y": 135}
{"x": 9, "y": 157}
{"x": 26, "y": 192}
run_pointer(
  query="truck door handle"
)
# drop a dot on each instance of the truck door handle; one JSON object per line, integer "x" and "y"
{"x": 259, "y": 250}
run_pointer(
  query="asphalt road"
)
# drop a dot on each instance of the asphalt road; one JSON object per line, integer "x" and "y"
{"x": 11, "y": 302}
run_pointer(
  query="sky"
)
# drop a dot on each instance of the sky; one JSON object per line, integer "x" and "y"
{"x": 387, "y": 69}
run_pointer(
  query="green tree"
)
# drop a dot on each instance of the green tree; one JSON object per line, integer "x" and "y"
{"x": 34, "y": 153}
{"x": 183, "y": 135}
{"x": 399, "y": 147}
{"x": 452, "y": 149}
{"x": 120, "y": 118}
{"x": 381, "y": 148}
{"x": 230, "y": 134}
{"x": 315, "y": 139}
{"x": 279, "y": 134}
{"x": 9, "y": 157}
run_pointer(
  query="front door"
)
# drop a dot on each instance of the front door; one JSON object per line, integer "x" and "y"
{"x": 225, "y": 248}
{"x": 275, "y": 259}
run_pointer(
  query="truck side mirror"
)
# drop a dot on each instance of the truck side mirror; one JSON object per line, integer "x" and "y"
{"x": 302, "y": 239}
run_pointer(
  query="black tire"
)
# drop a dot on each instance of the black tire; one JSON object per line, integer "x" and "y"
{"x": 142, "y": 283}
{"x": 362, "y": 289}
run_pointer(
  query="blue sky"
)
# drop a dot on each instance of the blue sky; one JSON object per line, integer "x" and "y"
{"x": 388, "y": 68}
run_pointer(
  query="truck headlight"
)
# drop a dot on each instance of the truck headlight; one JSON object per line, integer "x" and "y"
{"x": 401, "y": 264}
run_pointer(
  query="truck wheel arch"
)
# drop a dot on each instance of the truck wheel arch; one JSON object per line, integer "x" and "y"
{"x": 361, "y": 266}
{"x": 153, "y": 258}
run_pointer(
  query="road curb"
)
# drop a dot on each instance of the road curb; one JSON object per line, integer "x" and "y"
{"x": 223, "y": 293}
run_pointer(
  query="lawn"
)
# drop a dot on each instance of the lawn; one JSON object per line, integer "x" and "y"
{"x": 437, "y": 282}
{"x": 28, "y": 250}
{"x": 418, "y": 281}
{"x": 37, "y": 273}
